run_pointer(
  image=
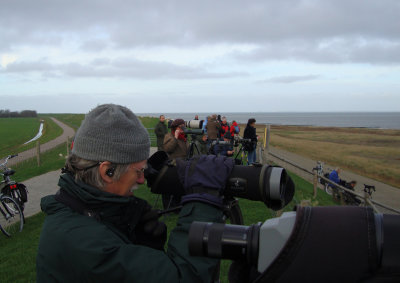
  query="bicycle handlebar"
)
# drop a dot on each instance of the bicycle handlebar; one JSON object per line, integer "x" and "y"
{"x": 7, "y": 158}
{"x": 369, "y": 187}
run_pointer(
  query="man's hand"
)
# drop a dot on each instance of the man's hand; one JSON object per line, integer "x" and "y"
{"x": 149, "y": 231}
{"x": 177, "y": 132}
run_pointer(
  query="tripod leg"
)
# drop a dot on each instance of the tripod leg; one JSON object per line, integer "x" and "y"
{"x": 155, "y": 203}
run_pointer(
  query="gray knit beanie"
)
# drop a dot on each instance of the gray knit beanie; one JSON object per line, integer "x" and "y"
{"x": 112, "y": 133}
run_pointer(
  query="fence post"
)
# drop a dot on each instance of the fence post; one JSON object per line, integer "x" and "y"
{"x": 315, "y": 184}
{"x": 260, "y": 155}
{"x": 341, "y": 197}
{"x": 38, "y": 153}
{"x": 68, "y": 146}
{"x": 267, "y": 137}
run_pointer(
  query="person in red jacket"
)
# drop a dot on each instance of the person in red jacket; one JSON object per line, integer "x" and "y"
{"x": 235, "y": 129}
{"x": 224, "y": 127}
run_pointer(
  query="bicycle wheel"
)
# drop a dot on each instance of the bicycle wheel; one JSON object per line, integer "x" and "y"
{"x": 328, "y": 189}
{"x": 13, "y": 217}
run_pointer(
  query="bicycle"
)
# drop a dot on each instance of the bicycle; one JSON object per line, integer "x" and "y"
{"x": 320, "y": 171}
{"x": 12, "y": 220}
{"x": 16, "y": 190}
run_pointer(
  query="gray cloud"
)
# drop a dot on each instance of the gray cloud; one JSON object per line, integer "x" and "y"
{"x": 118, "y": 68}
{"x": 272, "y": 25}
{"x": 290, "y": 79}
{"x": 344, "y": 50}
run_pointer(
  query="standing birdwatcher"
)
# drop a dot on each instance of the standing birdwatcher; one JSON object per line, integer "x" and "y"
{"x": 161, "y": 130}
{"x": 97, "y": 230}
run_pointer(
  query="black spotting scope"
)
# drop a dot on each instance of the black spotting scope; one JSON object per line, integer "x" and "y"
{"x": 313, "y": 244}
{"x": 265, "y": 183}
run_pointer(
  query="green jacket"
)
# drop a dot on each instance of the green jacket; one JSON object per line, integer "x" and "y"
{"x": 160, "y": 130}
{"x": 78, "y": 248}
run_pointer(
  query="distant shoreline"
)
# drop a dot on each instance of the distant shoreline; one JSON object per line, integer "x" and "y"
{"x": 367, "y": 120}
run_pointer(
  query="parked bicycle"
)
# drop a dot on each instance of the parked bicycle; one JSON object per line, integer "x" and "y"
{"x": 348, "y": 198}
{"x": 320, "y": 171}
{"x": 16, "y": 190}
{"x": 11, "y": 216}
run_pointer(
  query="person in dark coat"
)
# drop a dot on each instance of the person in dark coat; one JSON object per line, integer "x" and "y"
{"x": 96, "y": 230}
{"x": 160, "y": 130}
{"x": 175, "y": 145}
{"x": 250, "y": 133}
{"x": 213, "y": 128}
{"x": 201, "y": 145}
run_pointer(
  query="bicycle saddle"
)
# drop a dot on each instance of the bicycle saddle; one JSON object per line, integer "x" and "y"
{"x": 8, "y": 172}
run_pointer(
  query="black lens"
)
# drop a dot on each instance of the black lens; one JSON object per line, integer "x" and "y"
{"x": 224, "y": 241}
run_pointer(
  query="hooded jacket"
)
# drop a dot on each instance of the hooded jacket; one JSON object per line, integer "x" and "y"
{"x": 77, "y": 248}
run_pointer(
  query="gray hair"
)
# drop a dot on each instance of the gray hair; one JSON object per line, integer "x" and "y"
{"x": 87, "y": 172}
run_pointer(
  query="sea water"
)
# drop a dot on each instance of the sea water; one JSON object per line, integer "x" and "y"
{"x": 382, "y": 120}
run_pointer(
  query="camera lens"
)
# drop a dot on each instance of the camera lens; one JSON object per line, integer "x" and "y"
{"x": 224, "y": 241}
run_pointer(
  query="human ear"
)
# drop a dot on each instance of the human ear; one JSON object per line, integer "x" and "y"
{"x": 106, "y": 172}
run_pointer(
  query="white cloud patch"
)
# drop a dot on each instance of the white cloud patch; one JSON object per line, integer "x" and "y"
{"x": 291, "y": 79}
{"x": 7, "y": 59}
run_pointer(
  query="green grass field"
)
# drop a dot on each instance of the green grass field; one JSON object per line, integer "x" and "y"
{"x": 72, "y": 120}
{"x": 16, "y": 131}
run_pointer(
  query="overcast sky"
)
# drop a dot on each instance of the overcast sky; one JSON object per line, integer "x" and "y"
{"x": 200, "y": 56}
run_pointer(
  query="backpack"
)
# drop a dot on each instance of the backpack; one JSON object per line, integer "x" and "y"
{"x": 237, "y": 129}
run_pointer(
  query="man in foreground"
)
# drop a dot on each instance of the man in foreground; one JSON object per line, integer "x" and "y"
{"x": 96, "y": 230}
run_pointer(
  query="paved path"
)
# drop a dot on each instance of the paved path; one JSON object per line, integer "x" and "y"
{"x": 67, "y": 132}
{"x": 385, "y": 194}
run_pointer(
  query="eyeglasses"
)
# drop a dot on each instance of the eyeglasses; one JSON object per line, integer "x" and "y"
{"x": 140, "y": 171}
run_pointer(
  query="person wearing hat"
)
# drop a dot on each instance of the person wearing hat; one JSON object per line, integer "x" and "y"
{"x": 96, "y": 230}
{"x": 175, "y": 145}
{"x": 175, "y": 142}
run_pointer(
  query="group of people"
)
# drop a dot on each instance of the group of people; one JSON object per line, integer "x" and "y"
{"x": 217, "y": 138}
{"x": 215, "y": 130}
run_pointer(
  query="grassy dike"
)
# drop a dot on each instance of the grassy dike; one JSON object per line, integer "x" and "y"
{"x": 18, "y": 254}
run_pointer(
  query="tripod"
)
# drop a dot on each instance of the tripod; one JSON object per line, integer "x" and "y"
{"x": 192, "y": 147}
{"x": 239, "y": 155}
